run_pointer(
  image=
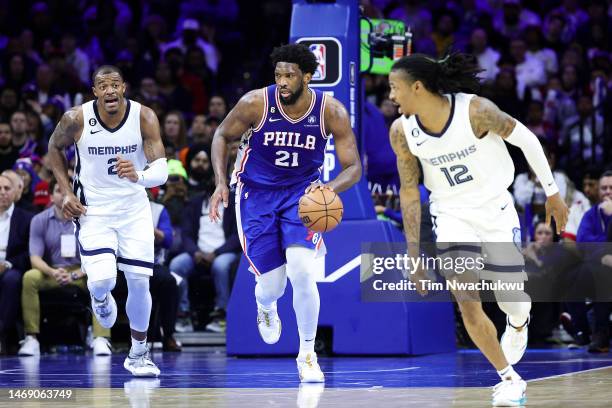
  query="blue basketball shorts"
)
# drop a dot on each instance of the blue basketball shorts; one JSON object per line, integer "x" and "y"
{"x": 268, "y": 223}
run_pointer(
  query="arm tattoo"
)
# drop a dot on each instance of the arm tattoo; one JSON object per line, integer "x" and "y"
{"x": 485, "y": 117}
{"x": 408, "y": 168}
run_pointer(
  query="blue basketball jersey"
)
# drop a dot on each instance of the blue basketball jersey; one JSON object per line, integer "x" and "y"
{"x": 281, "y": 151}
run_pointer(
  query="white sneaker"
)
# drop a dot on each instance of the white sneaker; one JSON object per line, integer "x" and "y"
{"x": 183, "y": 325}
{"x": 101, "y": 347}
{"x": 105, "y": 311}
{"x": 141, "y": 365}
{"x": 269, "y": 324}
{"x": 509, "y": 393}
{"x": 29, "y": 347}
{"x": 514, "y": 342}
{"x": 308, "y": 369}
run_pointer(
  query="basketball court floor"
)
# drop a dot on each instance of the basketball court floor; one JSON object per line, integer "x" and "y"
{"x": 206, "y": 377}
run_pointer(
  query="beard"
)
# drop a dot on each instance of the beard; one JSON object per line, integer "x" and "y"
{"x": 294, "y": 96}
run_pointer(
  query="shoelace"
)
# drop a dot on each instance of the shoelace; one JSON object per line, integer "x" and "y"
{"x": 144, "y": 359}
{"x": 266, "y": 317}
{"x": 101, "y": 308}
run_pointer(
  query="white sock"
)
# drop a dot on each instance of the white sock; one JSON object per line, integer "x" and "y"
{"x": 508, "y": 373}
{"x": 306, "y": 302}
{"x": 139, "y": 347}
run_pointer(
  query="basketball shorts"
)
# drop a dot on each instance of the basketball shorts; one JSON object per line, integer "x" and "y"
{"x": 490, "y": 232}
{"x": 123, "y": 241}
{"x": 268, "y": 223}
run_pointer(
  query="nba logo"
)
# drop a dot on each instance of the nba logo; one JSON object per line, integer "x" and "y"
{"x": 319, "y": 51}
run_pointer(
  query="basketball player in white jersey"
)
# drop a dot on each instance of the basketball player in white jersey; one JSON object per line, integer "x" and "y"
{"x": 119, "y": 154}
{"x": 459, "y": 140}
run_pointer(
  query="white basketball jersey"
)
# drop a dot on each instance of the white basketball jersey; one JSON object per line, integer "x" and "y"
{"x": 460, "y": 169}
{"x": 96, "y": 182}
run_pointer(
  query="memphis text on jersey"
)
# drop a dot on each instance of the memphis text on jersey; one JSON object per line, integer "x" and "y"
{"x": 447, "y": 158}
{"x": 114, "y": 150}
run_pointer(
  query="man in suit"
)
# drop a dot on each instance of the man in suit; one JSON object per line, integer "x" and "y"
{"x": 14, "y": 256}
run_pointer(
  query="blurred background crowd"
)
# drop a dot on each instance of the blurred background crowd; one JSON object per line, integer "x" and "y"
{"x": 547, "y": 63}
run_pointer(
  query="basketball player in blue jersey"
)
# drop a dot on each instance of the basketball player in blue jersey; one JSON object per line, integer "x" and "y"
{"x": 287, "y": 126}
{"x": 119, "y": 154}
{"x": 459, "y": 140}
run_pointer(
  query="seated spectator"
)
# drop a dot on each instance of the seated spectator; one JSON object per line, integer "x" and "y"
{"x": 209, "y": 246}
{"x": 56, "y": 263}
{"x": 20, "y": 201}
{"x": 175, "y": 192}
{"x": 164, "y": 289}
{"x": 534, "y": 40}
{"x": 14, "y": 256}
{"x": 487, "y": 57}
{"x": 174, "y": 130}
{"x": 8, "y": 153}
{"x": 199, "y": 171}
{"x": 590, "y": 197}
{"x": 594, "y": 228}
{"x": 217, "y": 107}
{"x": 21, "y": 139}
{"x": 530, "y": 71}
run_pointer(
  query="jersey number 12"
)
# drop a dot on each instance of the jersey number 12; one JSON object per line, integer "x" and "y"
{"x": 456, "y": 174}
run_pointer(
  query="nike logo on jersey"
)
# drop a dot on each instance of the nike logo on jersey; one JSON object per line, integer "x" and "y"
{"x": 504, "y": 207}
{"x": 97, "y": 131}
{"x": 550, "y": 184}
{"x": 418, "y": 144}
{"x": 274, "y": 120}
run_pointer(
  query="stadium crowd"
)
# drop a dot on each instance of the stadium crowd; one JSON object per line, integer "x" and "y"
{"x": 547, "y": 63}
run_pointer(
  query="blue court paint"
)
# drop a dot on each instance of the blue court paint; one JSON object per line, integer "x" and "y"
{"x": 212, "y": 369}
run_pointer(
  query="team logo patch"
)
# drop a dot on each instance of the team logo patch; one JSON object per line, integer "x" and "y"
{"x": 415, "y": 132}
{"x": 312, "y": 119}
{"x": 516, "y": 238}
{"x": 93, "y": 122}
{"x": 320, "y": 52}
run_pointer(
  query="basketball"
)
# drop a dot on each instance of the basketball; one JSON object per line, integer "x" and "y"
{"x": 320, "y": 210}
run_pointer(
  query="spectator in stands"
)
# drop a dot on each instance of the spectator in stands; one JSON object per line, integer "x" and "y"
{"x": 590, "y": 189}
{"x": 534, "y": 40}
{"x": 190, "y": 37}
{"x": 164, "y": 289}
{"x": 9, "y": 103}
{"x": 21, "y": 140}
{"x": 55, "y": 261}
{"x": 174, "y": 130}
{"x": 514, "y": 18}
{"x": 173, "y": 93}
{"x": 217, "y": 107}
{"x": 389, "y": 111}
{"x": 593, "y": 228}
{"x": 199, "y": 170}
{"x": 75, "y": 57}
{"x": 197, "y": 131}
{"x": 535, "y": 122}
{"x": 208, "y": 246}
{"x": 487, "y": 56}
{"x": 582, "y": 138}
{"x": 20, "y": 200}
{"x": 8, "y": 153}
{"x": 530, "y": 71}
{"x": 443, "y": 36}
{"x": 14, "y": 256}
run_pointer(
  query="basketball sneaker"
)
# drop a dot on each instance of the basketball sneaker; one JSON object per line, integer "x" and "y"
{"x": 105, "y": 311}
{"x": 514, "y": 342}
{"x": 308, "y": 368}
{"x": 141, "y": 365}
{"x": 29, "y": 347}
{"x": 269, "y": 324}
{"x": 509, "y": 393}
{"x": 101, "y": 347}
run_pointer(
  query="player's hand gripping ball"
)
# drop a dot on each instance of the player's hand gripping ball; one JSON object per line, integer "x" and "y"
{"x": 320, "y": 210}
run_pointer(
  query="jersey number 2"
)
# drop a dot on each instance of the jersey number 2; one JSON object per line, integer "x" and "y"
{"x": 112, "y": 171}
{"x": 456, "y": 174}
{"x": 283, "y": 159}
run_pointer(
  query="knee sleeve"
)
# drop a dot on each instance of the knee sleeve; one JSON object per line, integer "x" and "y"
{"x": 100, "y": 288}
{"x": 517, "y": 311}
{"x": 300, "y": 268}
{"x": 270, "y": 286}
{"x": 138, "y": 306}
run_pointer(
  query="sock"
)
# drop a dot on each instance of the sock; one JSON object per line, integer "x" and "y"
{"x": 508, "y": 373}
{"x": 518, "y": 323}
{"x": 306, "y": 301}
{"x": 139, "y": 347}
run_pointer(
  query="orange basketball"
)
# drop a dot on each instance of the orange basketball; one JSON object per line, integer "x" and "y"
{"x": 320, "y": 210}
